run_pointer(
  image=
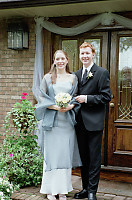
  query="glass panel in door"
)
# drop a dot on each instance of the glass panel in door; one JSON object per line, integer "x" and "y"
{"x": 124, "y": 110}
{"x": 120, "y": 109}
{"x": 97, "y": 44}
{"x": 70, "y": 47}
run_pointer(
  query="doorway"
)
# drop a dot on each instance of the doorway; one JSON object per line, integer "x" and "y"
{"x": 113, "y": 52}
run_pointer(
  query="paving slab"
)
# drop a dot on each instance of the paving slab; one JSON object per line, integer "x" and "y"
{"x": 107, "y": 190}
{"x": 119, "y": 198}
{"x": 107, "y": 187}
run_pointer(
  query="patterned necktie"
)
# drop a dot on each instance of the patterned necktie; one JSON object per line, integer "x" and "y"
{"x": 84, "y": 76}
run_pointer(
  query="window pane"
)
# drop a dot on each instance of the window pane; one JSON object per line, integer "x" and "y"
{"x": 70, "y": 47}
{"x": 125, "y": 78}
{"x": 96, "y": 44}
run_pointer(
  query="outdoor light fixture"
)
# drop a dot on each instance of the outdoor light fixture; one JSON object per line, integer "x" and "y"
{"x": 17, "y": 36}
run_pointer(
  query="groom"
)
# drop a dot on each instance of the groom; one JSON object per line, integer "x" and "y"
{"x": 93, "y": 94}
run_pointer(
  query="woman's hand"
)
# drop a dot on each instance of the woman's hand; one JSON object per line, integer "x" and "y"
{"x": 54, "y": 107}
{"x": 69, "y": 107}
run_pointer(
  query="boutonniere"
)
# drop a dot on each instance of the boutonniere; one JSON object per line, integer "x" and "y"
{"x": 90, "y": 75}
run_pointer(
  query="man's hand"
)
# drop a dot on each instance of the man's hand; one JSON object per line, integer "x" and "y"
{"x": 81, "y": 98}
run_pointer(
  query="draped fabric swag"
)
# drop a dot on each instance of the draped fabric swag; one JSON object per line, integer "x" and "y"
{"x": 41, "y": 22}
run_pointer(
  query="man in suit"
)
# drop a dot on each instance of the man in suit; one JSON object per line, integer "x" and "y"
{"x": 93, "y": 94}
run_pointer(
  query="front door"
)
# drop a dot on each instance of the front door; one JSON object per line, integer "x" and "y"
{"x": 120, "y": 107}
{"x": 113, "y": 52}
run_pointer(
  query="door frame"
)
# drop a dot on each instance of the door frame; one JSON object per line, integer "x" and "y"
{"x": 107, "y": 171}
{"x": 117, "y": 124}
{"x": 103, "y": 36}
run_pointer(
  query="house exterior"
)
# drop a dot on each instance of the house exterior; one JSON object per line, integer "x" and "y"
{"x": 113, "y": 43}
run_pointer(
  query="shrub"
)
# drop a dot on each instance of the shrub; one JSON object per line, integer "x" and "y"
{"x": 21, "y": 116}
{"x": 21, "y": 159}
{"x": 20, "y": 155}
{"x": 6, "y": 188}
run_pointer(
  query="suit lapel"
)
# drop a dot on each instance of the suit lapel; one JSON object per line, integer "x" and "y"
{"x": 80, "y": 75}
{"x": 93, "y": 69}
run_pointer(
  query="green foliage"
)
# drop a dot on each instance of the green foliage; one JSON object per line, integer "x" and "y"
{"x": 6, "y": 188}
{"x": 21, "y": 160}
{"x": 21, "y": 117}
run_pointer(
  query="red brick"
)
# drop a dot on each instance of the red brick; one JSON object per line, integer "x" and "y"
{"x": 17, "y": 69}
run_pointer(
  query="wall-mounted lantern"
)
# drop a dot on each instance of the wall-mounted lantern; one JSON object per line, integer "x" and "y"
{"x": 17, "y": 36}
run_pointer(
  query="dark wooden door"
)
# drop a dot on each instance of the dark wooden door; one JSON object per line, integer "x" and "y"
{"x": 113, "y": 52}
{"x": 120, "y": 107}
{"x": 100, "y": 42}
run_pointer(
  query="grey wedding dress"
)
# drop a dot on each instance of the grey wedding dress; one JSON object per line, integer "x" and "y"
{"x": 60, "y": 150}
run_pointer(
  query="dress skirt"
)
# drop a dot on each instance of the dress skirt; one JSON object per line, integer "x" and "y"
{"x": 60, "y": 152}
{"x": 60, "y": 155}
{"x": 57, "y": 181}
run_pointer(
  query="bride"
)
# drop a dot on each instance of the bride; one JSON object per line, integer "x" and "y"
{"x": 59, "y": 147}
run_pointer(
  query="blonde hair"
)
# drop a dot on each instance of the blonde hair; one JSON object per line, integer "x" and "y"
{"x": 86, "y": 44}
{"x": 53, "y": 70}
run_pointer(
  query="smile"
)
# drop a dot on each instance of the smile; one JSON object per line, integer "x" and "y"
{"x": 60, "y": 65}
{"x": 85, "y": 59}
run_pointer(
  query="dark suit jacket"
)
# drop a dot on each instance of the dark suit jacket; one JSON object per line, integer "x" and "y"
{"x": 97, "y": 89}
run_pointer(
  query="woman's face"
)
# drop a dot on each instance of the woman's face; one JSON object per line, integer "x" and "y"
{"x": 60, "y": 60}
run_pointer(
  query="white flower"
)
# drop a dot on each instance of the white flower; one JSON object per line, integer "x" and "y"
{"x": 11, "y": 186}
{"x": 62, "y": 99}
{"x": 1, "y": 180}
{"x": 90, "y": 75}
{"x": 8, "y": 190}
{"x": 1, "y": 193}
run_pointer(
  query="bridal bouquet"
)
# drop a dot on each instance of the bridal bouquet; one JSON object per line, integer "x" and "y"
{"x": 62, "y": 99}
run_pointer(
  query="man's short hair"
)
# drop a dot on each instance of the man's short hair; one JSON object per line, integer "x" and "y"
{"x": 86, "y": 44}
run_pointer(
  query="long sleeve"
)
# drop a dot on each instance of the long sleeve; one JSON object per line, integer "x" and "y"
{"x": 104, "y": 93}
{"x": 46, "y": 97}
{"x": 43, "y": 89}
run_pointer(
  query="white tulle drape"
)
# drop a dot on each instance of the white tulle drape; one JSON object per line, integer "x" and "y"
{"x": 41, "y": 22}
{"x": 39, "y": 59}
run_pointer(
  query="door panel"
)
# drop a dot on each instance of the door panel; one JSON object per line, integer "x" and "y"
{"x": 71, "y": 48}
{"x": 99, "y": 41}
{"x": 124, "y": 78}
{"x": 120, "y": 109}
{"x": 113, "y": 52}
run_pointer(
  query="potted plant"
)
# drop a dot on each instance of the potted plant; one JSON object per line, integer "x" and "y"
{"x": 22, "y": 115}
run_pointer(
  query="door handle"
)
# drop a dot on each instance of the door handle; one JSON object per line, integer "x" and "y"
{"x": 112, "y": 105}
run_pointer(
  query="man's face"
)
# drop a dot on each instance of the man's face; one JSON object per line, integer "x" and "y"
{"x": 86, "y": 56}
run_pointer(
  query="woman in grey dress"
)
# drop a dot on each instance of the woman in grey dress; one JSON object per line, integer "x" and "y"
{"x": 59, "y": 146}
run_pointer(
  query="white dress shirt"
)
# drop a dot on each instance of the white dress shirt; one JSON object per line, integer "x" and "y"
{"x": 88, "y": 68}
{"x": 83, "y": 71}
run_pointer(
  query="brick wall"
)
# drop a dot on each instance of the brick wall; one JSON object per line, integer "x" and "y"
{"x": 16, "y": 70}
